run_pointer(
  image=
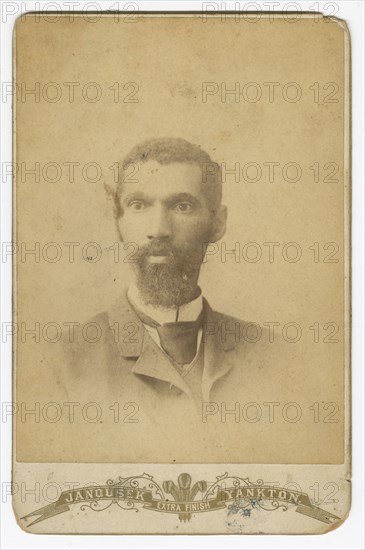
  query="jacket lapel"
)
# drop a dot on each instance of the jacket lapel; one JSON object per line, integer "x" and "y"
{"x": 153, "y": 362}
{"x": 133, "y": 340}
{"x": 127, "y": 328}
{"x": 217, "y": 359}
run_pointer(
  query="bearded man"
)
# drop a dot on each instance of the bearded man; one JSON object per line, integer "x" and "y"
{"x": 167, "y": 365}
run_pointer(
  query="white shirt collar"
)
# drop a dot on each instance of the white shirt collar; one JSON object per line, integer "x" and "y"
{"x": 185, "y": 312}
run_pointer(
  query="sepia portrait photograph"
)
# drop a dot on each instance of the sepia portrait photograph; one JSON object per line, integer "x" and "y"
{"x": 181, "y": 272}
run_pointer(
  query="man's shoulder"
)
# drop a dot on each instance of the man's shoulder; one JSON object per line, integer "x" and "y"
{"x": 251, "y": 341}
{"x": 86, "y": 342}
{"x": 234, "y": 329}
{"x": 224, "y": 317}
{"x": 256, "y": 351}
{"x": 104, "y": 326}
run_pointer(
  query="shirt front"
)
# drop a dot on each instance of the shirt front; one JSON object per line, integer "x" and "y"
{"x": 185, "y": 312}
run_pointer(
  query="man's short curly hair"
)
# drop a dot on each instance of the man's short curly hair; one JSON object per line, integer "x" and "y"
{"x": 169, "y": 150}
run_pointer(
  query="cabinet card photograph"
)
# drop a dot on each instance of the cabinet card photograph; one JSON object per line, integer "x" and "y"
{"x": 181, "y": 263}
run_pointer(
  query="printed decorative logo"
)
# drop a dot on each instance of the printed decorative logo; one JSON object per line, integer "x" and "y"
{"x": 128, "y": 493}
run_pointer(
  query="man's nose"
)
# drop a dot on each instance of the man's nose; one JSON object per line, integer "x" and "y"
{"x": 160, "y": 224}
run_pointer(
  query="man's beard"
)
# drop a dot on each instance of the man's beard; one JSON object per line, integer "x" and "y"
{"x": 168, "y": 284}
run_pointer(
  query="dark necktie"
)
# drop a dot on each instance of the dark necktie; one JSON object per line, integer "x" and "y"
{"x": 179, "y": 339}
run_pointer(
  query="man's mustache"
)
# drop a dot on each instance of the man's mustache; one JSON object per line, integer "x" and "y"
{"x": 177, "y": 255}
{"x": 156, "y": 248}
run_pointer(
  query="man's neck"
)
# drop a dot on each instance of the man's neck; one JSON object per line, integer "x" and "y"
{"x": 189, "y": 311}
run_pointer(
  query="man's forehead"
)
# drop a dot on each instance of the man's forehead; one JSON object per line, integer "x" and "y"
{"x": 153, "y": 176}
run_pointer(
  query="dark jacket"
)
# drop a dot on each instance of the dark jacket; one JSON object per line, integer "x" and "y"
{"x": 131, "y": 404}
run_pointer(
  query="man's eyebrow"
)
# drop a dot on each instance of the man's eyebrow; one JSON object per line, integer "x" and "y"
{"x": 170, "y": 199}
{"x": 182, "y": 197}
{"x": 137, "y": 195}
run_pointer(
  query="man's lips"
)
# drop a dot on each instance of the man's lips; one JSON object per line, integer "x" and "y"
{"x": 157, "y": 258}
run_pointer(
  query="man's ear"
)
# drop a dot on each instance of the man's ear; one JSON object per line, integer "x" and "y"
{"x": 117, "y": 227}
{"x": 219, "y": 224}
{"x": 117, "y": 211}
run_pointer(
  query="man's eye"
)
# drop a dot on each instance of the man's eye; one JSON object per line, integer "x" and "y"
{"x": 184, "y": 207}
{"x": 137, "y": 205}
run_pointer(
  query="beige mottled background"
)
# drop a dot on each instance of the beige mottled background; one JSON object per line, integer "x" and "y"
{"x": 169, "y": 58}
